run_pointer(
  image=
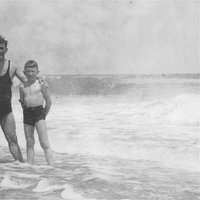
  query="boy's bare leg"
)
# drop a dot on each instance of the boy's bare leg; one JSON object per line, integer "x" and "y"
{"x": 44, "y": 141}
{"x": 9, "y": 129}
{"x": 30, "y": 142}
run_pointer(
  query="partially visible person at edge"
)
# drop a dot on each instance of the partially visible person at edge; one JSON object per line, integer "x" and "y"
{"x": 8, "y": 70}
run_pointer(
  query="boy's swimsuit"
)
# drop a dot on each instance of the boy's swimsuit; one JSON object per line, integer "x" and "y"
{"x": 5, "y": 93}
{"x": 33, "y": 115}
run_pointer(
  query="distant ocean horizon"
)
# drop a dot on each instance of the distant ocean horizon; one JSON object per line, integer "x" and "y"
{"x": 111, "y": 84}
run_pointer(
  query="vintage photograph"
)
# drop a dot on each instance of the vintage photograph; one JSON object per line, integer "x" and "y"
{"x": 100, "y": 100}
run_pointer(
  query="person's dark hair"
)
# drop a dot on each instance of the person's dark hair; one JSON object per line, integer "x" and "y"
{"x": 31, "y": 63}
{"x": 3, "y": 40}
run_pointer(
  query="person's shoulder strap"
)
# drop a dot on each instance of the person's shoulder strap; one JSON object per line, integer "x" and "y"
{"x": 8, "y": 70}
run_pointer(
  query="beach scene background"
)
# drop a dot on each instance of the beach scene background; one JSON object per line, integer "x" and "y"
{"x": 113, "y": 137}
{"x": 124, "y": 80}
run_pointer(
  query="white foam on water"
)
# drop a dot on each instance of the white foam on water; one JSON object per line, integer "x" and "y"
{"x": 17, "y": 165}
{"x": 6, "y": 168}
{"x": 13, "y": 166}
{"x": 45, "y": 185}
{"x": 125, "y": 130}
{"x": 23, "y": 175}
{"x": 181, "y": 156}
{"x": 41, "y": 167}
{"x": 11, "y": 182}
{"x": 70, "y": 194}
{"x": 183, "y": 109}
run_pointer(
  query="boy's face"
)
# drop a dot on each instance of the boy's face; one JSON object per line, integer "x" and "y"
{"x": 31, "y": 73}
{"x": 3, "y": 50}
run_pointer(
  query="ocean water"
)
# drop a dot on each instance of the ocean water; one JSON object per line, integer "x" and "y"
{"x": 114, "y": 137}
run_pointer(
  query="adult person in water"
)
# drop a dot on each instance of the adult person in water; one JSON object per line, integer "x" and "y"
{"x": 8, "y": 70}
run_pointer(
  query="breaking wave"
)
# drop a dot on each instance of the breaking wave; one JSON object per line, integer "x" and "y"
{"x": 117, "y": 84}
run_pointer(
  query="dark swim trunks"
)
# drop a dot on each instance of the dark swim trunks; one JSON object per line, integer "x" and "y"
{"x": 5, "y": 93}
{"x": 33, "y": 115}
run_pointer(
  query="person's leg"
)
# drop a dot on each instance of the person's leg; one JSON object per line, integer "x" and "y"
{"x": 9, "y": 129}
{"x": 44, "y": 142}
{"x": 30, "y": 142}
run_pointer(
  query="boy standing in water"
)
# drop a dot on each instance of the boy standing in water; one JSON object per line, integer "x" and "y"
{"x": 32, "y": 97}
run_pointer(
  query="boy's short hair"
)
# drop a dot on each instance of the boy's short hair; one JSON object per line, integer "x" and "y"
{"x": 31, "y": 64}
{"x": 3, "y": 40}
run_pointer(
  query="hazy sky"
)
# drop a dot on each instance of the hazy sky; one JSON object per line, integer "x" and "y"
{"x": 90, "y": 37}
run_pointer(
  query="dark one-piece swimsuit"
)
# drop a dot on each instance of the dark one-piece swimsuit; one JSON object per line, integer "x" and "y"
{"x": 5, "y": 93}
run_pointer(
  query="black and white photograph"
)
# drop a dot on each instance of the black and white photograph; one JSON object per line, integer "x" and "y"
{"x": 99, "y": 100}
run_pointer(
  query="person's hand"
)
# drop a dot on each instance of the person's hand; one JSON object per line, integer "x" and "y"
{"x": 22, "y": 104}
{"x": 41, "y": 80}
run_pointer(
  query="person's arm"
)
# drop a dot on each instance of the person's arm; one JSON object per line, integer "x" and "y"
{"x": 21, "y": 100}
{"x": 47, "y": 98}
{"x": 20, "y": 75}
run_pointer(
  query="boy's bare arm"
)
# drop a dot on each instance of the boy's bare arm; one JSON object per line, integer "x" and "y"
{"x": 47, "y": 98}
